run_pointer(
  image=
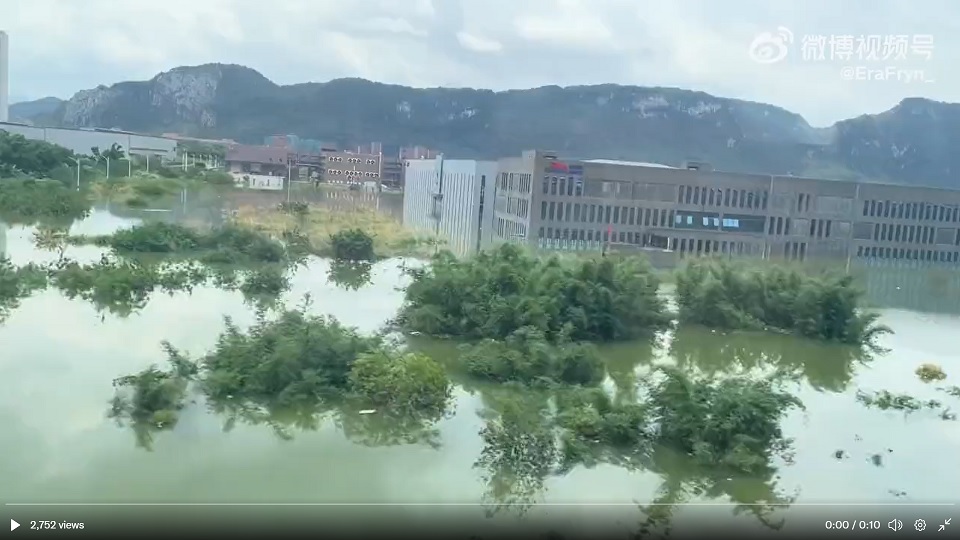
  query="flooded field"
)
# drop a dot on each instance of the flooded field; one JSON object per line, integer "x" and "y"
{"x": 60, "y": 355}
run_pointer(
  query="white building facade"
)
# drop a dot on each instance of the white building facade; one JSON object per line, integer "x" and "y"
{"x": 453, "y": 199}
{"x": 80, "y": 141}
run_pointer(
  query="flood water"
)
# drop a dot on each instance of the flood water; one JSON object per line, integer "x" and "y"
{"x": 59, "y": 357}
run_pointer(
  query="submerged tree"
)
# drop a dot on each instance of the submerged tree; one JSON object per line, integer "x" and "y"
{"x": 151, "y": 400}
{"x": 297, "y": 370}
{"x": 519, "y": 452}
{"x": 732, "y": 423}
{"x": 526, "y": 357}
{"x": 723, "y": 294}
{"x": 498, "y": 291}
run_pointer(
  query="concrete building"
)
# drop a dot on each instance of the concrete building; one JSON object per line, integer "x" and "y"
{"x": 452, "y": 199}
{"x": 341, "y": 167}
{"x": 263, "y": 160}
{"x": 80, "y": 141}
{"x": 4, "y": 77}
{"x": 551, "y": 203}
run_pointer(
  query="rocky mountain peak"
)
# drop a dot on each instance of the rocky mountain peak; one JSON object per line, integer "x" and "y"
{"x": 913, "y": 142}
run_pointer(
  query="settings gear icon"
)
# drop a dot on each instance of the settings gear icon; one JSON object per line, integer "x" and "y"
{"x": 920, "y": 525}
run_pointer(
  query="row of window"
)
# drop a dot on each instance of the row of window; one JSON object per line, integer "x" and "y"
{"x": 358, "y": 174}
{"x": 606, "y": 214}
{"x": 511, "y": 230}
{"x": 920, "y": 234}
{"x": 591, "y": 235}
{"x": 517, "y": 206}
{"x": 571, "y": 186}
{"x": 697, "y": 246}
{"x": 912, "y": 210}
{"x": 908, "y": 254}
{"x": 729, "y": 198}
{"x": 519, "y": 182}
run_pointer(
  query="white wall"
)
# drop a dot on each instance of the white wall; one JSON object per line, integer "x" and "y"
{"x": 80, "y": 141}
{"x": 460, "y": 222}
{"x": 4, "y": 77}
{"x": 260, "y": 181}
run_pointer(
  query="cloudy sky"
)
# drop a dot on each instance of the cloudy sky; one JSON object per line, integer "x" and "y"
{"x": 61, "y": 46}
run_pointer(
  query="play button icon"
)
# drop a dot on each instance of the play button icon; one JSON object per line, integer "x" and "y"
{"x": 13, "y": 525}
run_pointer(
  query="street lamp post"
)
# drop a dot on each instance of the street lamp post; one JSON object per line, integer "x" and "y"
{"x": 77, "y": 160}
{"x": 289, "y": 178}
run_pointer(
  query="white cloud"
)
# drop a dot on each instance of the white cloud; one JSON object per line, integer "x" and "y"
{"x": 478, "y": 44}
{"x": 61, "y": 46}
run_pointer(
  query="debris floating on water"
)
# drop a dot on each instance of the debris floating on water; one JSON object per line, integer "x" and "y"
{"x": 368, "y": 411}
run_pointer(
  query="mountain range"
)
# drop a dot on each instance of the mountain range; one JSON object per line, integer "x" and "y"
{"x": 915, "y": 142}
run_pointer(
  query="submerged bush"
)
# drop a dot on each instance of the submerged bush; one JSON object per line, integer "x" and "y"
{"x": 152, "y": 399}
{"x": 294, "y": 359}
{"x": 732, "y": 422}
{"x": 496, "y": 292}
{"x": 29, "y": 201}
{"x": 300, "y": 367}
{"x": 401, "y": 382}
{"x": 595, "y": 428}
{"x": 526, "y": 357}
{"x": 727, "y": 295}
{"x": 222, "y": 245}
{"x": 352, "y": 245}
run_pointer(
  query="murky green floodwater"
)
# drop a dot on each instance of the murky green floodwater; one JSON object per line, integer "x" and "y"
{"x": 59, "y": 357}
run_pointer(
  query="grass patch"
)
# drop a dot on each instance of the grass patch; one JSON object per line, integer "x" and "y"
{"x": 318, "y": 224}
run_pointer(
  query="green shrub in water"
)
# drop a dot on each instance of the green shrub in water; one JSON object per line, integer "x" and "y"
{"x": 498, "y": 291}
{"x": 727, "y": 295}
{"x": 527, "y": 357}
{"x": 732, "y": 422}
{"x": 152, "y": 399}
{"x": 295, "y": 358}
{"x": 352, "y": 245}
{"x": 224, "y": 245}
{"x": 408, "y": 383}
{"x": 29, "y": 201}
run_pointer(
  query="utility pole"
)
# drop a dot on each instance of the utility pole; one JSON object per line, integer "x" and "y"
{"x": 289, "y": 178}
{"x": 78, "y": 172}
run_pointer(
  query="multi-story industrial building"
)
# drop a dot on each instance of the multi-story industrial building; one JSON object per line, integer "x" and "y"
{"x": 452, "y": 199}
{"x": 551, "y": 203}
